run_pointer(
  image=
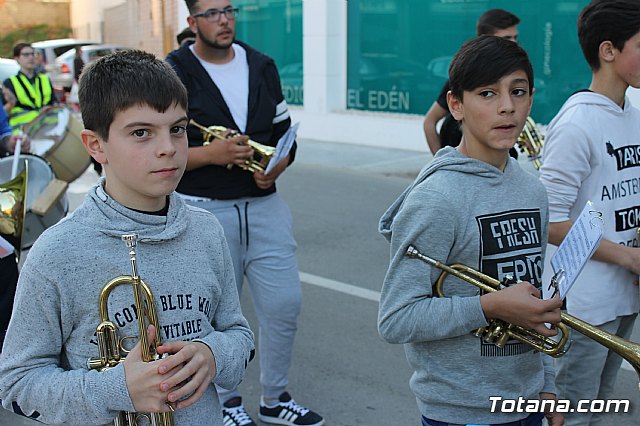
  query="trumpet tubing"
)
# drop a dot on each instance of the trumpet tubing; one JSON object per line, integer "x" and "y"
{"x": 111, "y": 349}
{"x": 499, "y": 331}
{"x": 261, "y": 153}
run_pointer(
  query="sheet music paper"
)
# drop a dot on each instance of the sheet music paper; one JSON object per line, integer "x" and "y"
{"x": 283, "y": 147}
{"x": 578, "y": 246}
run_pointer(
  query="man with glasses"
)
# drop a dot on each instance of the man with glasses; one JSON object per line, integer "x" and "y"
{"x": 26, "y": 93}
{"x": 231, "y": 84}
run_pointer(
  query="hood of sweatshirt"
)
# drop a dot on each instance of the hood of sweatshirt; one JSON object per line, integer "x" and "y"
{"x": 100, "y": 211}
{"x": 451, "y": 160}
{"x": 592, "y": 99}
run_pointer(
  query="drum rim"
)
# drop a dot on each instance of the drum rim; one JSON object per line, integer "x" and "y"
{"x": 26, "y": 154}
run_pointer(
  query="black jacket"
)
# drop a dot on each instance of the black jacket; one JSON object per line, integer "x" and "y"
{"x": 208, "y": 108}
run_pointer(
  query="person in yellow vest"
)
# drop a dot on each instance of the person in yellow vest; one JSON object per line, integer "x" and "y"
{"x": 26, "y": 93}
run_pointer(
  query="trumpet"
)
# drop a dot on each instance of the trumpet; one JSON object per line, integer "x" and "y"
{"x": 261, "y": 153}
{"x": 530, "y": 142}
{"x": 13, "y": 209}
{"x": 111, "y": 347}
{"x": 499, "y": 332}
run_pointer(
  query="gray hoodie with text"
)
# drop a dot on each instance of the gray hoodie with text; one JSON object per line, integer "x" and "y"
{"x": 462, "y": 210}
{"x": 182, "y": 256}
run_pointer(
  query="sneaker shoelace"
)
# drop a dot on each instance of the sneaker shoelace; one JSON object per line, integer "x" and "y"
{"x": 238, "y": 414}
{"x": 295, "y": 407}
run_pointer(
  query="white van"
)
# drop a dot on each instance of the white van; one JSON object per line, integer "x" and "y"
{"x": 62, "y": 72}
{"x": 51, "y": 49}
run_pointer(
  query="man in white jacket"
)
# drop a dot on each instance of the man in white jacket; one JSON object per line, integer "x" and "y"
{"x": 591, "y": 154}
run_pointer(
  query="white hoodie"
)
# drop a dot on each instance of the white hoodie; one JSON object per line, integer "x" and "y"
{"x": 592, "y": 152}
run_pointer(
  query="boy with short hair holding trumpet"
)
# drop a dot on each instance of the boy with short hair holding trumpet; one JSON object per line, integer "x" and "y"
{"x": 493, "y": 219}
{"x": 134, "y": 112}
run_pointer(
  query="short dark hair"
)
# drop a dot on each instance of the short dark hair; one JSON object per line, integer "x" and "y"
{"x": 607, "y": 20}
{"x": 17, "y": 49}
{"x": 494, "y": 20}
{"x": 191, "y": 5}
{"x": 123, "y": 79}
{"x": 484, "y": 60}
{"x": 186, "y": 33}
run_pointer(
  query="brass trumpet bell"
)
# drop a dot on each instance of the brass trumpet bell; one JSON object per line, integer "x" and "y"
{"x": 13, "y": 209}
{"x": 261, "y": 153}
{"x": 530, "y": 142}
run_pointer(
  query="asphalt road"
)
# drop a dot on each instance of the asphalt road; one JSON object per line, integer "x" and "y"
{"x": 341, "y": 368}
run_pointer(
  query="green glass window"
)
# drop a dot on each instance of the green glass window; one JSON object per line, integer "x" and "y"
{"x": 275, "y": 28}
{"x": 398, "y": 51}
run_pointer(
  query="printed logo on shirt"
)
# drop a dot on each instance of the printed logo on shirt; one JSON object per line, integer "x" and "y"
{"x": 626, "y": 156}
{"x": 510, "y": 246}
{"x": 627, "y": 218}
{"x": 187, "y": 329}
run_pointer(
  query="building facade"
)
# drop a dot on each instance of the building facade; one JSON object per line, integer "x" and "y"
{"x": 362, "y": 71}
{"x": 27, "y": 13}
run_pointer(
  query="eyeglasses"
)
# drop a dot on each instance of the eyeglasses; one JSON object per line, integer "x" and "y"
{"x": 213, "y": 15}
{"x": 27, "y": 54}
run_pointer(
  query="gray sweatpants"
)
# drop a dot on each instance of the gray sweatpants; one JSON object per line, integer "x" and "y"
{"x": 588, "y": 370}
{"x": 259, "y": 231}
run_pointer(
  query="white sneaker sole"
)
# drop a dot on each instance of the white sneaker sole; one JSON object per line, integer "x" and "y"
{"x": 279, "y": 421}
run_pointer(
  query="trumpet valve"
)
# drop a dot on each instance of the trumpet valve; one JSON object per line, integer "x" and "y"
{"x": 496, "y": 333}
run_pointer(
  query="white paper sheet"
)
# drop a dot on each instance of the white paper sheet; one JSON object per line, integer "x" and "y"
{"x": 576, "y": 249}
{"x": 283, "y": 147}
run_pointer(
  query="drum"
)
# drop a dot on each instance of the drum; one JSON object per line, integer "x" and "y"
{"x": 39, "y": 175}
{"x": 55, "y": 136}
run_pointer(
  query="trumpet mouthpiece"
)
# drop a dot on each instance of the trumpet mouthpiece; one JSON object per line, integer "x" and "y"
{"x": 412, "y": 251}
{"x": 130, "y": 240}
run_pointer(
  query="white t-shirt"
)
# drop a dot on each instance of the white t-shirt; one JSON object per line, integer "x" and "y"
{"x": 232, "y": 79}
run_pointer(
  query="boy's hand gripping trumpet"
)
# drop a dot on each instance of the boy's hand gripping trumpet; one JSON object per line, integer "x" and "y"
{"x": 499, "y": 332}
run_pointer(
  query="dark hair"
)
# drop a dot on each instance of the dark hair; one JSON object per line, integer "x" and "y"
{"x": 17, "y": 49}
{"x": 607, "y": 20}
{"x": 118, "y": 81}
{"x": 484, "y": 60}
{"x": 191, "y": 5}
{"x": 495, "y": 19}
{"x": 186, "y": 33}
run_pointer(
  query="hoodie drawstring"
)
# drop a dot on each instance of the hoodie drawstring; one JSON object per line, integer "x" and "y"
{"x": 246, "y": 222}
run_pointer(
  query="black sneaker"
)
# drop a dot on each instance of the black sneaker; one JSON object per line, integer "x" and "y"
{"x": 234, "y": 414}
{"x": 288, "y": 412}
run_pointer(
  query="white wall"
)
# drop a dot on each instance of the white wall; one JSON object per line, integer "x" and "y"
{"x": 183, "y": 12}
{"x": 324, "y": 115}
{"x": 87, "y": 17}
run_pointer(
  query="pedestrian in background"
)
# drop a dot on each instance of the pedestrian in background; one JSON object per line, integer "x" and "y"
{"x": 231, "y": 84}
{"x": 28, "y": 92}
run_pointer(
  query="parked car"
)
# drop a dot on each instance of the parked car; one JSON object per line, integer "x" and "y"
{"x": 61, "y": 74}
{"x": 51, "y": 49}
{"x": 8, "y": 67}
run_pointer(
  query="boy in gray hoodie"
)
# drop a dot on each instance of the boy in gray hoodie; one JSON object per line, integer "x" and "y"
{"x": 493, "y": 219}
{"x": 134, "y": 112}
